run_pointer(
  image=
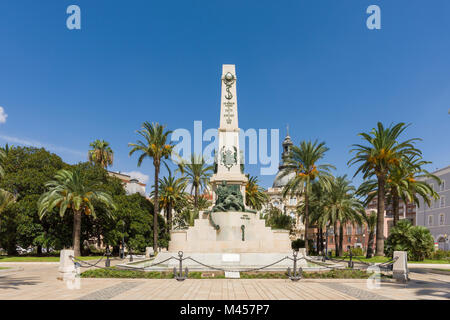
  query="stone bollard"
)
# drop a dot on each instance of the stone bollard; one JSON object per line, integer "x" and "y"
{"x": 149, "y": 252}
{"x": 66, "y": 265}
{"x": 400, "y": 267}
{"x": 302, "y": 252}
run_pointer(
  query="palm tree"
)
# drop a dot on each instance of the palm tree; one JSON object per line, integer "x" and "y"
{"x": 255, "y": 197}
{"x": 197, "y": 173}
{"x": 157, "y": 147}
{"x": 73, "y": 190}
{"x": 171, "y": 192}
{"x": 340, "y": 207}
{"x": 3, "y": 153}
{"x": 382, "y": 152}
{"x": 101, "y": 153}
{"x": 371, "y": 222}
{"x": 303, "y": 162}
{"x": 402, "y": 184}
{"x": 6, "y": 199}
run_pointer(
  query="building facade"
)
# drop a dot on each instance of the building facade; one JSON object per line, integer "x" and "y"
{"x": 405, "y": 211}
{"x": 131, "y": 185}
{"x": 436, "y": 217}
{"x": 287, "y": 205}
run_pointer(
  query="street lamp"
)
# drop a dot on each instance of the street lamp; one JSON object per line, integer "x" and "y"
{"x": 122, "y": 251}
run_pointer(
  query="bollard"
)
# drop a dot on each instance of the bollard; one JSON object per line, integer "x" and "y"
{"x": 180, "y": 276}
{"x": 108, "y": 253}
{"x": 400, "y": 268}
{"x": 296, "y": 275}
{"x": 350, "y": 262}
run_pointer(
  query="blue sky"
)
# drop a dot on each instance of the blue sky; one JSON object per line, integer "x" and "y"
{"x": 310, "y": 64}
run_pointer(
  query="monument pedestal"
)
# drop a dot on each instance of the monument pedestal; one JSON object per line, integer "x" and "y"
{"x": 239, "y": 232}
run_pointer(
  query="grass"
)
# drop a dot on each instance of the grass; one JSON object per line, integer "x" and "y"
{"x": 379, "y": 259}
{"x": 132, "y": 274}
{"x": 39, "y": 259}
{"x": 1, "y": 268}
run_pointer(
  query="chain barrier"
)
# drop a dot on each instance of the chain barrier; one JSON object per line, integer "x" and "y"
{"x": 295, "y": 274}
{"x": 85, "y": 262}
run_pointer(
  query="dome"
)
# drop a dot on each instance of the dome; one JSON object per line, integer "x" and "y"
{"x": 280, "y": 181}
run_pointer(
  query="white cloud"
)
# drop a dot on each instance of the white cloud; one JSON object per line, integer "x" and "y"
{"x": 38, "y": 144}
{"x": 143, "y": 178}
{"x": 3, "y": 115}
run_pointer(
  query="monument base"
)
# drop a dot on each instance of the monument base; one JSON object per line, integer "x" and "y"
{"x": 230, "y": 232}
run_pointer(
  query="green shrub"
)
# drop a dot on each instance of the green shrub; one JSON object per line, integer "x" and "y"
{"x": 416, "y": 240}
{"x": 297, "y": 244}
{"x": 357, "y": 251}
{"x": 440, "y": 255}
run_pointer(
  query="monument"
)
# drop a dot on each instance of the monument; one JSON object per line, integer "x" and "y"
{"x": 229, "y": 233}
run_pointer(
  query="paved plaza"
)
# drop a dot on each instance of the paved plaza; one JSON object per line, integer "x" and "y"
{"x": 37, "y": 281}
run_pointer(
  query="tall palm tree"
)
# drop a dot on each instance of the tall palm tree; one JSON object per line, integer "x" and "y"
{"x": 101, "y": 153}
{"x": 255, "y": 197}
{"x": 73, "y": 190}
{"x": 6, "y": 199}
{"x": 382, "y": 152}
{"x": 3, "y": 153}
{"x": 402, "y": 184}
{"x": 341, "y": 207}
{"x": 171, "y": 192}
{"x": 157, "y": 147}
{"x": 304, "y": 163}
{"x": 197, "y": 172}
{"x": 371, "y": 223}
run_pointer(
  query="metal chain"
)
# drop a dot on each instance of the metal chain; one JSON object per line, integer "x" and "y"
{"x": 227, "y": 270}
{"x": 89, "y": 264}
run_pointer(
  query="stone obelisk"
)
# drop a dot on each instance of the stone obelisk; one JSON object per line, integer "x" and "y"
{"x": 229, "y": 163}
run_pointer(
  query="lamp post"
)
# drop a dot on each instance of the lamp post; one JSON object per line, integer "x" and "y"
{"x": 122, "y": 251}
{"x": 364, "y": 241}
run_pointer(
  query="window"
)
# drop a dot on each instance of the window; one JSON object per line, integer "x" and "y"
{"x": 359, "y": 230}
{"x": 331, "y": 240}
{"x": 349, "y": 239}
{"x": 276, "y": 203}
{"x": 441, "y": 219}
{"x": 349, "y": 230}
{"x": 442, "y": 201}
{"x": 430, "y": 220}
{"x": 331, "y": 230}
{"x": 443, "y": 185}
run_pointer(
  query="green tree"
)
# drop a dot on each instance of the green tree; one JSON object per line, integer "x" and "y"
{"x": 101, "y": 153}
{"x": 171, "y": 192}
{"x": 197, "y": 173}
{"x": 157, "y": 147}
{"x": 27, "y": 170}
{"x": 416, "y": 240}
{"x": 304, "y": 163}
{"x": 255, "y": 196}
{"x": 340, "y": 207}
{"x": 402, "y": 183}
{"x": 71, "y": 190}
{"x": 371, "y": 223}
{"x": 276, "y": 219}
{"x": 383, "y": 150}
{"x": 2, "y": 159}
{"x": 6, "y": 199}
